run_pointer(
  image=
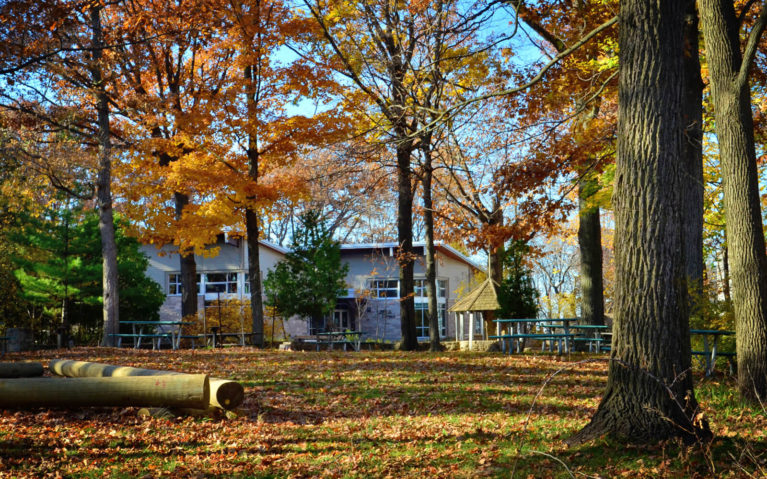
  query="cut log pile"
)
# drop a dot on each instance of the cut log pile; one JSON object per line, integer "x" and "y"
{"x": 87, "y": 384}
{"x": 224, "y": 394}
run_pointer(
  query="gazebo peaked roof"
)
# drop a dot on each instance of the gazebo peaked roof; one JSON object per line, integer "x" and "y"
{"x": 483, "y": 298}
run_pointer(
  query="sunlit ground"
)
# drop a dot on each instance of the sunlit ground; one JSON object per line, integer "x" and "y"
{"x": 372, "y": 414}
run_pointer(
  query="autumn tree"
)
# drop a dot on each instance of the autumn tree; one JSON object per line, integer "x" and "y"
{"x": 649, "y": 393}
{"x": 729, "y": 65}
{"x": 172, "y": 71}
{"x": 585, "y": 117}
{"x": 271, "y": 136}
{"x": 374, "y": 44}
{"x": 53, "y": 56}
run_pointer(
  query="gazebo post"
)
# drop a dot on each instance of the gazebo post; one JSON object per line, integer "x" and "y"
{"x": 471, "y": 329}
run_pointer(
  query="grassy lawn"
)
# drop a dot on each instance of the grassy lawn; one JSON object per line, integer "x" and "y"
{"x": 372, "y": 414}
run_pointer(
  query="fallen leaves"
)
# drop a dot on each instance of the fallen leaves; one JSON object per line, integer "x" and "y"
{"x": 370, "y": 414}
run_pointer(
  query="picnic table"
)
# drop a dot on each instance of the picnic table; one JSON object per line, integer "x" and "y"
{"x": 588, "y": 333}
{"x": 154, "y": 330}
{"x": 521, "y": 334}
{"x": 709, "y": 354}
{"x": 339, "y": 337}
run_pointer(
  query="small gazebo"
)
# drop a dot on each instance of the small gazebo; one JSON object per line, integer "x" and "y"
{"x": 482, "y": 299}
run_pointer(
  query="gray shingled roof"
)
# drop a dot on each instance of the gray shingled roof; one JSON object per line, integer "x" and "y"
{"x": 482, "y": 298}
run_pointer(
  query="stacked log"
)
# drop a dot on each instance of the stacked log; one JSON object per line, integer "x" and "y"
{"x": 21, "y": 370}
{"x": 183, "y": 391}
{"x": 224, "y": 393}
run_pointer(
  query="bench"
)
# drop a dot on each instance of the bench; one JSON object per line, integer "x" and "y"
{"x": 706, "y": 355}
{"x": 345, "y": 338}
{"x": 216, "y": 335}
{"x": 540, "y": 337}
{"x": 594, "y": 343}
{"x": 3, "y": 344}
{"x": 137, "y": 337}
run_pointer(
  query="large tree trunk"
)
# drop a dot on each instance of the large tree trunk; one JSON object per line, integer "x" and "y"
{"x": 405, "y": 240}
{"x": 431, "y": 266}
{"x": 590, "y": 246}
{"x": 649, "y": 395}
{"x": 254, "y": 276}
{"x": 188, "y": 267}
{"x": 103, "y": 190}
{"x": 251, "y": 216}
{"x": 692, "y": 180}
{"x": 728, "y": 73}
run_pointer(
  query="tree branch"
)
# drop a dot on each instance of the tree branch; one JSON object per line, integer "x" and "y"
{"x": 750, "y": 52}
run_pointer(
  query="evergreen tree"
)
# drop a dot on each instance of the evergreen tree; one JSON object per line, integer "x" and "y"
{"x": 310, "y": 279}
{"x": 516, "y": 294}
{"x": 59, "y": 268}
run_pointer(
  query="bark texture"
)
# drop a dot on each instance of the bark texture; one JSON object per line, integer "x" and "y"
{"x": 590, "y": 246}
{"x": 188, "y": 267}
{"x": 254, "y": 271}
{"x": 110, "y": 293}
{"x": 405, "y": 240}
{"x": 692, "y": 180}
{"x": 649, "y": 395}
{"x": 728, "y": 72}
{"x": 429, "y": 252}
{"x": 251, "y": 215}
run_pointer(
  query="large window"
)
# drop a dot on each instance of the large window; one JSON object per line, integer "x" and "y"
{"x": 422, "y": 319}
{"x": 341, "y": 319}
{"x": 174, "y": 284}
{"x": 384, "y": 288}
{"x": 220, "y": 283}
{"x": 420, "y": 288}
{"x": 422, "y": 308}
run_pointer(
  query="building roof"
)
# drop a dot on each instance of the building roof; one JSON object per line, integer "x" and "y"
{"x": 482, "y": 298}
{"x": 445, "y": 249}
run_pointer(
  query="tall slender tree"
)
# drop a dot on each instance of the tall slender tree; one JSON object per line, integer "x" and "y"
{"x": 728, "y": 76}
{"x": 56, "y": 73}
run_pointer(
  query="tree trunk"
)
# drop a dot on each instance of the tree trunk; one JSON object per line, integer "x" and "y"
{"x": 184, "y": 390}
{"x": 726, "y": 272}
{"x": 254, "y": 273}
{"x": 188, "y": 267}
{"x": 224, "y": 393}
{"x": 590, "y": 246}
{"x": 496, "y": 253}
{"x": 251, "y": 217}
{"x": 110, "y": 293}
{"x": 745, "y": 237}
{"x": 649, "y": 395}
{"x": 405, "y": 240}
{"x": 431, "y": 267}
{"x": 692, "y": 179}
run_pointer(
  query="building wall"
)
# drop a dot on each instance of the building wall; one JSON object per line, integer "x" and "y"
{"x": 231, "y": 258}
{"x": 377, "y": 318}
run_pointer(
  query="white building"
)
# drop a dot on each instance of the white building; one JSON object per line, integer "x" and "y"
{"x": 371, "y": 304}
